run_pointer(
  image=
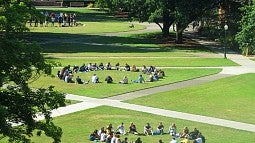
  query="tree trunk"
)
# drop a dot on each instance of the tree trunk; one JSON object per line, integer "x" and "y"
{"x": 165, "y": 29}
{"x": 179, "y": 34}
{"x": 166, "y": 24}
{"x": 247, "y": 52}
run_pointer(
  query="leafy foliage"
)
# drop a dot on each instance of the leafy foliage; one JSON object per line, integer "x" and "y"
{"x": 181, "y": 12}
{"x": 246, "y": 37}
{"x": 20, "y": 62}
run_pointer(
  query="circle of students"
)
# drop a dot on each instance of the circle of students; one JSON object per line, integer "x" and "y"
{"x": 109, "y": 135}
{"x": 66, "y": 73}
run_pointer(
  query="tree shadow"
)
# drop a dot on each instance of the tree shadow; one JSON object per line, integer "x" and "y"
{"x": 78, "y": 43}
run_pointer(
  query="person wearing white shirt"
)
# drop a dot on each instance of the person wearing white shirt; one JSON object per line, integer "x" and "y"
{"x": 121, "y": 129}
{"x": 173, "y": 141}
{"x": 94, "y": 79}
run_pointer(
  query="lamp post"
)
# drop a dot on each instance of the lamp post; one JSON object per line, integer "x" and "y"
{"x": 225, "y": 29}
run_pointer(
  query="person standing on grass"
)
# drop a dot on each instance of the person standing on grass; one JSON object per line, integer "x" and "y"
{"x": 74, "y": 19}
{"x": 47, "y": 18}
{"x": 52, "y": 16}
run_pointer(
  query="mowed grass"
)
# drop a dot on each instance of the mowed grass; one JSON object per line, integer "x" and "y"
{"x": 89, "y": 28}
{"x": 95, "y": 55}
{"x": 158, "y": 62}
{"x": 230, "y": 98}
{"x": 103, "y": 89}
{"x": 78, "y": 126}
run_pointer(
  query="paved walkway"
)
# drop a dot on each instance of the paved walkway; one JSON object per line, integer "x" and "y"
{"x": 246, "y": 66}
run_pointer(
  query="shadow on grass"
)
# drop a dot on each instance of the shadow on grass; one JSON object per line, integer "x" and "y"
{"x": 141, "y": 43}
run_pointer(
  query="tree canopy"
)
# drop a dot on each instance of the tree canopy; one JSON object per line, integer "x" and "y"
{"x": 22, "y": 62}
{"x": 167, "y": 12}
{"x": 246, "y": 37}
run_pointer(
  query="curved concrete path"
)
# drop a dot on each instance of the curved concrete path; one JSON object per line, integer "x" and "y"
{"x": 246, "y": 66}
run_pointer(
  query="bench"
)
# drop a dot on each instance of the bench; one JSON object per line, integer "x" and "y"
{"x": 121, "y": 15}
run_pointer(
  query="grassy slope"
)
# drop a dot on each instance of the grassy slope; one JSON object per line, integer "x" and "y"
{"x": 230, "y": 98}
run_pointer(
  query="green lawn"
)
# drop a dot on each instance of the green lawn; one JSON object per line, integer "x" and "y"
{"x": 158, "y": 62}
{"x": 89, "y": 28}
{"x": 78, "y": 126}
{"x": 91, "y": 55}
{"x": 229, "y": 98}
{"x": 102, "y": 90}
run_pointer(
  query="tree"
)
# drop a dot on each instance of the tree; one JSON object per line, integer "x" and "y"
{"x": 246, "y": 37}
{"x": 167, "y": 12}
{"x": 22, "y": 62}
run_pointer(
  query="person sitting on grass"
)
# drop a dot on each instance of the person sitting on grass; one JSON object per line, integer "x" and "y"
{"x": 109, "y": 137}
{"x": 117, "y": 139}
{"x": 132, "y": 128}
{"x": 102, "y": 134}
{"x": 120, "y": 129}
{"x": 134, "y": 69}
{"x": 139, "y": 80}
{"x": 69, "y": 78}
{"x": 138, "y": 140}
{"x": 193, "y": 134}
{"x": 125, "y": 140}
{"x": 79, "y": 81}
{"x": 127, "y": 67}
{"x": 172, "y": 130}
{"x": 148, "y": 129}
{"x": 151, "y": 69}
{"x": 94, "y": 136}
{"x": 151, "y": 78}
{"x": 199, "y": 139}
{"x": 186, "y": 140}
{"x": 161, "y": 73}
{"x": 101, "y": 66}
{"x": 160, "y": 129}
{"x": 173, "y": 140}
{"x": 144, "y": 69}
{"x": 124, "y": 80}
{"x": 108, "y": 66}
{"x": 155, "y": 76}
{"x": 83, "y": 68}
{"x": 109, "y": 129}
{"x": 75, "y": 68}
{"x": 108, "y": 79}
{"x": 185, "y": 132}
{"x": 117, "y": 66}
{"x": 95, "y": 79}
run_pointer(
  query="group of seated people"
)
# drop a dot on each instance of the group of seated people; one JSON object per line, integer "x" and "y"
{"x": 110, "y": 135}
{"x": 66, "y": 73}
